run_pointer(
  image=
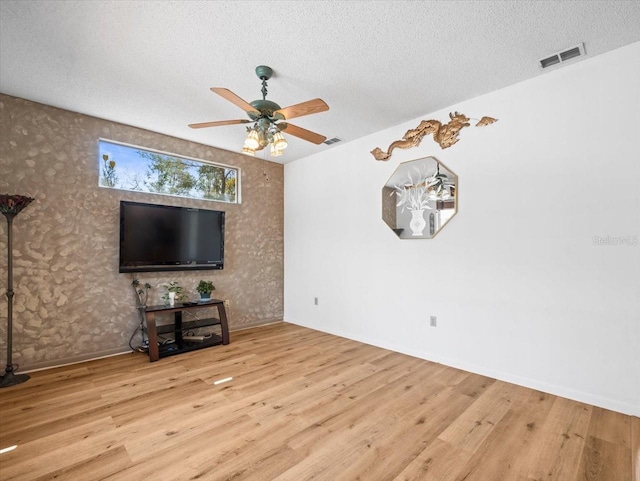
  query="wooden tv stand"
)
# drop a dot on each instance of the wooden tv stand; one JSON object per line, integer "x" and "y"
{"x": 180, "y": 345}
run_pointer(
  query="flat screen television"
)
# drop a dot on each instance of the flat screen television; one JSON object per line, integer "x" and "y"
{"x": 165, "y": 238}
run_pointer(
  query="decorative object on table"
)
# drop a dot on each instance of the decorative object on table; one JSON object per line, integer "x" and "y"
{"x": 141, "y": 293}
{"x": 175, "y": 293}
{"x": 205, "y": 288}
{"x": 444, "y": 134}
{"x": 10, "y": 206}
{"x": 419, "y": 198}
{"x": 141, "y": 296}
{"x": 265, "y": 131}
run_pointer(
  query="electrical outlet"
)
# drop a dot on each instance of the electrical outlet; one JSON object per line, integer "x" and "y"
{"x": 227, "y": 305}
{"x": 433, "y": 321}
{"x": 315, "y": 301}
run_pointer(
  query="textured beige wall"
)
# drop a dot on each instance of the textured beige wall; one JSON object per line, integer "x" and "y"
{"x": 71, "y": 303}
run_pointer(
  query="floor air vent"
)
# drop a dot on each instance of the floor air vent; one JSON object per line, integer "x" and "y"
{"x": 564, "y": 56}
{"x": 335, "y": 140}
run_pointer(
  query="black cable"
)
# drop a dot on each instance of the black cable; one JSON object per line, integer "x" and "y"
{"x": 140, "y": 347}
{"x": 131, "y": 339}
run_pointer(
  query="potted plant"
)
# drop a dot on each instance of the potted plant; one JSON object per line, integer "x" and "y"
{"x": 174, "y": 293}
{"x": 205, "y": 288}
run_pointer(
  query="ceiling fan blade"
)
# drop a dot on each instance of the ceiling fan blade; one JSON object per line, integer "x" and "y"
{"x": 219, "y": 123}
{"x": 301, "y": 133}
{"x": 234, "y": 99}
{"x": 314, "y": 106}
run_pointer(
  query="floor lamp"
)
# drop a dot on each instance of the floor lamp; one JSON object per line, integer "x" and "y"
{"x": 10, "y": 206}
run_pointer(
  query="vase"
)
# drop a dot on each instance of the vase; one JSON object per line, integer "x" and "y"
{"x": 417, "y": 223}
{"x": 205, "y": 297}
{"x": 172, "y": 298}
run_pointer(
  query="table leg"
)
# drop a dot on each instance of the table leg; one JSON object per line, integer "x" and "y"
{"x": 224, "y": 326}
{"x": 152, "y": 333}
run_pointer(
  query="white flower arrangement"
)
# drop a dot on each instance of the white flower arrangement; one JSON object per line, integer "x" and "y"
{"x": 414, "y": 195}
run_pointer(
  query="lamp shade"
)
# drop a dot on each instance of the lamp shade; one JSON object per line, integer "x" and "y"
{"x": 252, "y": 141}
{"x": 11, "y": 205}
{"x": 279, "y": 142}
{"x": 274, "y": 151}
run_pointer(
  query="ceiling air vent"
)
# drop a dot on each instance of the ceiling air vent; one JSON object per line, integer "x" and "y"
{"x": 564, "y": 56}
{"x": 332, "y": 141}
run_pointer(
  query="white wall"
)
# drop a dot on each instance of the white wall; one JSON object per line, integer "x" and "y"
{"x": 521, "y": 291}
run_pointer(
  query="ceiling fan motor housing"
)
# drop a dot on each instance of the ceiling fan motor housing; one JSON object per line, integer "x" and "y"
{"x": 265, "y": 107}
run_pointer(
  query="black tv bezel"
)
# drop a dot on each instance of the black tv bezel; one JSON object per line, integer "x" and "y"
{"x": 169, "y": 267}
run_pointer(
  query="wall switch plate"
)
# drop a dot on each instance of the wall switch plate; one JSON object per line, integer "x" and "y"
{"x": 433, "y": 321}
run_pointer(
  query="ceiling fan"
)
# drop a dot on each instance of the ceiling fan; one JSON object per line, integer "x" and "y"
{"x": 268, "y": 117}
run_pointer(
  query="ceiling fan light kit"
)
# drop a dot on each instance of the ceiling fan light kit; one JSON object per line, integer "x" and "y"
{"x": 265, "y": 115}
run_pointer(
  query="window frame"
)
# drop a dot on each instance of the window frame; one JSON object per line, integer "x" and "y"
{"x": 238, "y": 171}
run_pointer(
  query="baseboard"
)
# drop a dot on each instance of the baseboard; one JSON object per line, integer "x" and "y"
{"x": 580, "y": 396}
{"x": 66, "y": 361}
{"x": 252, "y": 325}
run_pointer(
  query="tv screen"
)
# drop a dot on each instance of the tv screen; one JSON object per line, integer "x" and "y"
{"x": 164, "y": 238}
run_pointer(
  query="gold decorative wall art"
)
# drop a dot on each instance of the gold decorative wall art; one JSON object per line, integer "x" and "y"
{"x": 444, "y": 134}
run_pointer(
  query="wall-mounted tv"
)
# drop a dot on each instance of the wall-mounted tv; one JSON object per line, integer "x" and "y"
{"x": 166, "y": 238}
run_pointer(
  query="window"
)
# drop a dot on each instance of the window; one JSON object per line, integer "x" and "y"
{"x": 128, "y": 167}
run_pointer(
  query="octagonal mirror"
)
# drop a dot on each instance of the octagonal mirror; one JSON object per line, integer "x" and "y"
{"x": 419, "y": 198}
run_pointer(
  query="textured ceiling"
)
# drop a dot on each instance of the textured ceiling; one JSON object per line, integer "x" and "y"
{"x": 376, "y": 63}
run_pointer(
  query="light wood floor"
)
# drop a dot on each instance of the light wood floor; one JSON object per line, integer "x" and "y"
{"x": 302, "y": 405}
